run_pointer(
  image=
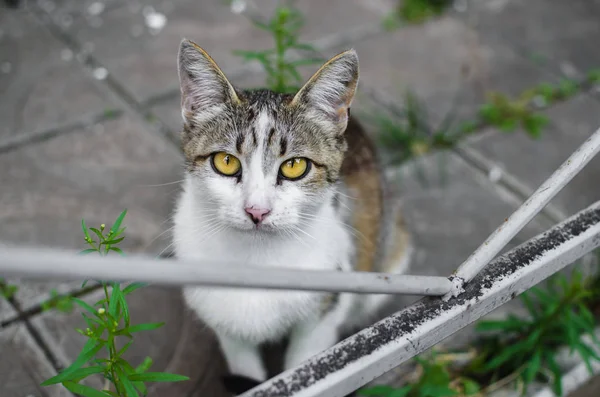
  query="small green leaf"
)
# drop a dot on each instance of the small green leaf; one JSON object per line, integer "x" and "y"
{"x": 144, "y": 366}
{"x": 115, "y": 299}
{"x": 117, "y": 250}
{"x": 533, "y": 366}
{"x": 116, "y": 241}
{"x": 304, "y": 47}
{"x": 87, "y": 252}
{"x": 75, "y": 375}
{"x": 86, "y": 355}
{"x": 118, "y": 222}
{"x": 129, "y": 370}
{"x": 127, "y": 385}
{"x": 437, "y": 391}
{"x": 510, "y": 324}
{"x": 470, "y": 386}
{"x": 144, "y": 327}
{"x": 98, "y": 233}
{"x": 506, "y": 354}
{"x": 307, "y": 61}
{"x": 157, "y": 377}
{"x": 85, "y": 230}
{"x": 132, "y": 287}
{"x": 83, "y": 390}
{"x": 557, "y": 382}
{"x": 85, "y": 306}
{"x": 125, "y": 309}
{"x": 124, "y": 348}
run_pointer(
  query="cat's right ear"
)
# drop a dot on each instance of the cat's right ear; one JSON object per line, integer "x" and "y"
{"x": 204, "y": 88}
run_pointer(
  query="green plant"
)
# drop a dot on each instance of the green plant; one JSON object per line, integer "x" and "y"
{"x": 435, "y": 380}
{"x": 108, "y": 322}
{"x": 282, "y": 74}
{"x": 409, "y": 132}
{"x": 525, "y": 348}
{"x": 507, "y": 114}
{"x": 7, "y": 291}
{"x": 62, "y": 303}
{"x": 417, "y": 11}
{"x": 551, "y": 93}
{"x": 593, "y": 76}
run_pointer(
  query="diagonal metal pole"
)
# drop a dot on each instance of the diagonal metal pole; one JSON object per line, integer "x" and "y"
{"x": 375, "y": 350}
{"x": 525, "y": 213}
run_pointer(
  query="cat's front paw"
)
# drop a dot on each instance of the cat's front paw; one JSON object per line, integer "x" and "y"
{"x": 238, "y": 384}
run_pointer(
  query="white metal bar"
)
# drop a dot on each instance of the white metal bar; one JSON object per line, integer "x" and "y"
{"x": 525, "y": 213}
{"x": 375, "y": 350}
{"x": 54, "y": 264}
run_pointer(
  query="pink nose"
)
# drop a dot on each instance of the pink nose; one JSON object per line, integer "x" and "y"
{"x": 257, "y": 214}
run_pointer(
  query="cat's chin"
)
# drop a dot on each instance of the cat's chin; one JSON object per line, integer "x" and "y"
{"x": 256, "y": 229}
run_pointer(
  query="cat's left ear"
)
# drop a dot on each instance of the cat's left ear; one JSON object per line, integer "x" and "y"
{"x": 204, "y": 88}
{"x": 328, "y": 94}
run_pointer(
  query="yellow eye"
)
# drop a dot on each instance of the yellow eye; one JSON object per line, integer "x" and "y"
{"x": 226, "y": 164}
{"x": 295, "y": 168}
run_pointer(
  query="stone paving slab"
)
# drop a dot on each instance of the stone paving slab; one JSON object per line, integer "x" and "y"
{"x": 92, "y": 174}
{"x": 451, "y": 209}
{"x": 589, "y": 389}
{"x": 183, "y": 346}
{"x": 6, "y": 310}
{"x": 446, "y": 63}
{"x": 41, "y": 84}
{"x": 533, "y": 161}
{"x": 145, "y": 61}
{"x": 23, "y": 366}
{"x": 561, "y": 35}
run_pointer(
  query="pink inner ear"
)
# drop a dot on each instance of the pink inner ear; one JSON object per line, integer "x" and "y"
{"x": 187, "y": 104}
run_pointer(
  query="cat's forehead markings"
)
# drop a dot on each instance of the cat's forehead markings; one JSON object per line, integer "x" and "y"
{"x": 263, "y": 123}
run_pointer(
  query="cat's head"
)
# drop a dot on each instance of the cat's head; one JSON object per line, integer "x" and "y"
{"x": 259, "y": 160}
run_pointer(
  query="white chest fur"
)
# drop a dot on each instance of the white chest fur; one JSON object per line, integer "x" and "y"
{"x": 257, "y": 315}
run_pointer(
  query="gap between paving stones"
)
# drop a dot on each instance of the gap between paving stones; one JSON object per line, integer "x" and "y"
{"x": 28, "y": 138}
{"x": 23, "y": 315}
{"x": 119, "y": 93}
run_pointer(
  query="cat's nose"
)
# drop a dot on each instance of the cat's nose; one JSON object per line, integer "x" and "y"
{"x": 257, "y": 214}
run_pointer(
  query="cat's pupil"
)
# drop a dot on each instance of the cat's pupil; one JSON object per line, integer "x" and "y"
{"x": 226, "y": 160}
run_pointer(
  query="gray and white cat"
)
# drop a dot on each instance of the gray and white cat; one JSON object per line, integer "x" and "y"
{"x": 286, "y": 181}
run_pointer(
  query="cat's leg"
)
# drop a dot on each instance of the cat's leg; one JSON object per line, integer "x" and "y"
{"x": 320, "y": 333}
{"x": 243, "y": 358}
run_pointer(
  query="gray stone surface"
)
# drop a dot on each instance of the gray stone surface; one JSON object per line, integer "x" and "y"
{"x": 183, "y": 346}
{"x": 451, "y": 209}
{"x": 533, "y": 161}
{"x": 95, "y": 172}
{"x": 589, "y": 389}
{"x": 336, "y": 17}
{"x": 92, "y": 174}
{"x": 38, "y": 89}
{"x": 448, "y": 64}
{"x": 23, "y": 366}
{"x": 560, "y": 35}
{"x": 6, "y": 310}
{"x": 146, "y": 63}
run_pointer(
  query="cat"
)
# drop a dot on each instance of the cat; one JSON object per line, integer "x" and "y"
{"x": 287, "y": 181}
